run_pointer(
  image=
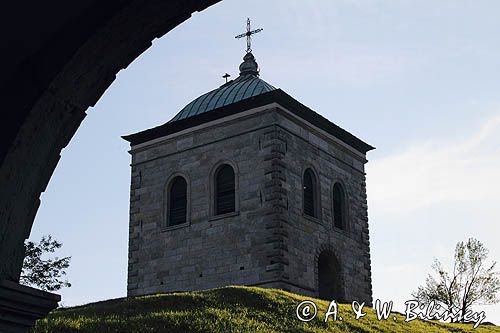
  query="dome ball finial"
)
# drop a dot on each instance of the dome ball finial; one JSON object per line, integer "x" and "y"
{"x": 249, "y": 65}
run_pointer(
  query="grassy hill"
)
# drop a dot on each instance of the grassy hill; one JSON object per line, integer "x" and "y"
{"x": 231, "y": 309}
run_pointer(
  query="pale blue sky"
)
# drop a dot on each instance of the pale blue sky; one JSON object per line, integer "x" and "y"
{"x": 419, "y": 80}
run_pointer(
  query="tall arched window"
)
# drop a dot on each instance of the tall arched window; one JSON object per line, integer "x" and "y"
{"x": 177, "y": 202}
{"x": 338, "y": 206}
{"x": 224, "y": 190}
{"x": 310, "y": 200}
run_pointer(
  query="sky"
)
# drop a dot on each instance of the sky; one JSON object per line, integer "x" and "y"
{"x": 419, "y": 80}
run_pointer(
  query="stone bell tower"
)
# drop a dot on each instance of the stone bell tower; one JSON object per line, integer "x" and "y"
{"x": 246, "y": 185}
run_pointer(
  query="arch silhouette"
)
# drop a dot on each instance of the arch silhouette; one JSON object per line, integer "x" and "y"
{"x": 47, "y": 91}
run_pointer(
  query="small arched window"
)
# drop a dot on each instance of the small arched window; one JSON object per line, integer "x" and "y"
{"x": 224, "y": 190}
{"x": 310, "y": 200}
{"x": 338, "y": 206}
{"x": 177, "y": 202}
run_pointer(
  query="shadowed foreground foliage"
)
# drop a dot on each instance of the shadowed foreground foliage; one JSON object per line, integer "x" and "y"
{"x": 230, "y": 309}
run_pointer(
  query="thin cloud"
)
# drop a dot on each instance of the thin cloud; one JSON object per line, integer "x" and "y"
{"x": 431, "y": 172}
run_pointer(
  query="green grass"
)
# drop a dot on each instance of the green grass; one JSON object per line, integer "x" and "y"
{"x": 230, "y": 309}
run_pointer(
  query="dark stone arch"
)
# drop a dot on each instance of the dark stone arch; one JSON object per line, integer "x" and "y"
{"x": 52, "y": 81}
{"x": 329, "y": 277}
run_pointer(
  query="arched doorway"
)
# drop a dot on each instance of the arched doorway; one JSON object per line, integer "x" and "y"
{"x": 329, "y": 277}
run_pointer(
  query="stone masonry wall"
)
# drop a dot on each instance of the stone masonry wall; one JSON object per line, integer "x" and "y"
{"x": 308, "y": 237}
{"x": 210, "y": 251}
{"x": 267, "y": 242}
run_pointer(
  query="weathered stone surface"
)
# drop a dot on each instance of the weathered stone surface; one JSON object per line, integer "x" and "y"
{"x": 268, "y": 242}
{"x": 20, "y": 306}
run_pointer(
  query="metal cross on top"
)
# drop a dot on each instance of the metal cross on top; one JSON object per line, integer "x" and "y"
{"x": 248, "y": 35}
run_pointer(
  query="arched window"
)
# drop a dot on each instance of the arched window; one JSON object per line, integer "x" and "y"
{"x": 224, "y": 190}
{"x": 338, "y": 206}
{"x": 177, "y": 202}
{"x": 310, "y": 199}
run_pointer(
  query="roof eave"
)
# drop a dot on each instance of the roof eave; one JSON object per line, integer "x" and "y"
{"x": 277, "y": 95}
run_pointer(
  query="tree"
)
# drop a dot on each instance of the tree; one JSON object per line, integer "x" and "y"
{"x": 45, "y": 274}
{"x": 472, "y": 281}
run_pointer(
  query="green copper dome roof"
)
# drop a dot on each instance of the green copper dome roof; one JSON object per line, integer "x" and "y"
{"x": 247, "y": 91}
{"x": 247, "y": 85}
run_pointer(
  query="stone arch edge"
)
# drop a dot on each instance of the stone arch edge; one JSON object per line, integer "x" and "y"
{"x": 330, "y": 248}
